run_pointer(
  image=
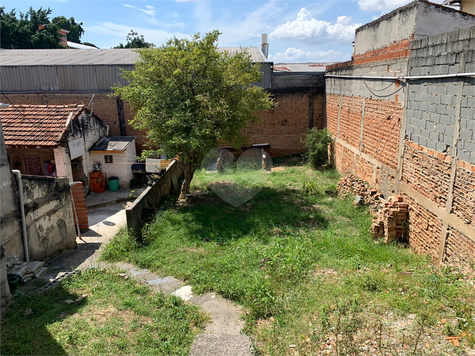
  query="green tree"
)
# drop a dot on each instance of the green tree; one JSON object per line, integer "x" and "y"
{"x": 134, "y": 40}
{"x": 75, "y": 29}
{"x": 189, "y": 97}
{"x": 24, "y": 32}
{"x": 89, "y": 44}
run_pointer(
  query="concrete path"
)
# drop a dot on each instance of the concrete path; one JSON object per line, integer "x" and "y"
{"x": 222, "y": 335}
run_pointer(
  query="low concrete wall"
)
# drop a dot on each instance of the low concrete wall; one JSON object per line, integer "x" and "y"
{"x": 49, "y": 218}
{"x": 153, "y": 196}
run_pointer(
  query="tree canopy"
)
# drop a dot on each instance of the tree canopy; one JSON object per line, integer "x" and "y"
{"x": 134, "y": 40}
{"x": 188, "y": 97}
{"x": 24, "y": 32}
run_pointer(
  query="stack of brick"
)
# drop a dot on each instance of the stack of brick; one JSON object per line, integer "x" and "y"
{"x": 390, "y": 220}
{"x": 77, "y": 191}
{"x": 390, "y": 216}
{"x": 352, "y": 185}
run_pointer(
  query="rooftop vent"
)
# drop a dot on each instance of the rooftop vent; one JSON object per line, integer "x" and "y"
{"x": 265, "y": 45}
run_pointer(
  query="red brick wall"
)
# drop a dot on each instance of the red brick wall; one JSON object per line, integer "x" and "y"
{"x": 283, "y": 127}
{"x": 399, "y": 49}
{"x": 350, "y": 120}
{"x": 77, "y": 191}
{"x": 382, "y": 125}
{"x": 424, "y": 229}
{"x": 286, "y": 125}
{"x": 458, "y": 247}
{"x": 427, "y": 172}
{"x": 464, "y": 193}
{"x": 332, "y": 104}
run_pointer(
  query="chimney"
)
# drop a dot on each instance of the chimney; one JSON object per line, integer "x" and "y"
{"x": 265, "y": 45}
{"x": 64, "y": 37}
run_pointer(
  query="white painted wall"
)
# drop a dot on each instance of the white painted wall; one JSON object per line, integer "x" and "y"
{"x": 121, "y": 166}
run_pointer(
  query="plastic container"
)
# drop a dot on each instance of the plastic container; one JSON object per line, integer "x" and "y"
{"x": 13, "y": 283}
{"x": 134, "y": 183}
{"x": 113, "y": 184}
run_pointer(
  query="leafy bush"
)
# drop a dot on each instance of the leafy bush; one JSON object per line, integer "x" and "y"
{"x": 317, "y": 142}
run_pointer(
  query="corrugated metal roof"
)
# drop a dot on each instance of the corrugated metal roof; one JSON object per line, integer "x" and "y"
{"x": 37, "y": 125}
{"x": 256, "y": 53}
{"x": 300, "y": 67}
{"x": 58, "y": 57}
{"x": 112, "y": 143}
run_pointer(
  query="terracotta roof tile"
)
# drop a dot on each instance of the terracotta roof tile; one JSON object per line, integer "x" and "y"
{"x": 37, "y": 125}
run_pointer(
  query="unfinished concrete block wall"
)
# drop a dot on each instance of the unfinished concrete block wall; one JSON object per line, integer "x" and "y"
{"x": 418, "y": 141}
{"x": 438, "y": 161}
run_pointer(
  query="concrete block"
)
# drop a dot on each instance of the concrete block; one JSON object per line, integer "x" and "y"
{"x": 467, "y": 113}
{"x": 472, "y": 157}
{"x": 432, "y": 89}
{"x": 429, "y": 125}
{"x": 440, "y": 128}
{"x": 450, "y": 110}
{"x": 448, "y": 139}
{"x": 445, "y": 99}
{"x": 453, "y": 69}
{"x": 466, "y": 134}
{"x": 432, "y": 107}
{"x": 440, "y": 147}
{"x": 470, "y": 123}
{"x": 464, "y": 33}
{"x": 423, "y": 106}
{"x": 463, "y": 155}
{"x": 434, "y": 136}
{"x": 468, "y": 89}
{"x": 425, "y": 133}
{"x": 435, "y": 117}
{"x": 425, "y": 116}
{"x": 441, "y": 89}
{"x": 470, "y": 102}
{"x": 446, "y": 120}
{"x": 449, "y": 130}
{"x": 431, "y": 144}
{"x": 469, "y": 146}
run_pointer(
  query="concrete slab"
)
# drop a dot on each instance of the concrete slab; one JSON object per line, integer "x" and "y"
{"x": 229, "y": 345}
{"x": 94, "y": 200}
{"x": 225, "y": 315}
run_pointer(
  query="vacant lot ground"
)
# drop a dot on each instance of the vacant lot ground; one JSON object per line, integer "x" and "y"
{"x": 113, "y": 316}
{"x": 300, "y": 260}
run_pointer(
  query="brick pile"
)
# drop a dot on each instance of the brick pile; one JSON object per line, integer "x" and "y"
{"x": 390, "y": 216}
{"x": 352, "y": 185}
{"x": 390, "y": 220}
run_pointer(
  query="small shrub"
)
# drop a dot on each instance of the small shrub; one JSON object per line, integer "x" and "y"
{"x": 317, "y": 142}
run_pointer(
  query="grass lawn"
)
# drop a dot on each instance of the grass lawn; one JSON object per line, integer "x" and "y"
{"x": 117, "y": 317}
{"x": 301, "y": 262}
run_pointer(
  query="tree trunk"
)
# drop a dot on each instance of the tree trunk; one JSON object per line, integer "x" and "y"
{"x": 188, "y": 172}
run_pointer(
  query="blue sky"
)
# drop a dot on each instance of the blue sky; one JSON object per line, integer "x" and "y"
{"x": 299, "y": 31}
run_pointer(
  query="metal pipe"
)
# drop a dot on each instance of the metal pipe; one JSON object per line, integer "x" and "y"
{"x": 22, "y": 211}
{"x": 414, "y": 77}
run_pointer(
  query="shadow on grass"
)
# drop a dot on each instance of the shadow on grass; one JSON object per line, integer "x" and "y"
{"x": 270, "y": 209}
{"x": 26, "y": 333}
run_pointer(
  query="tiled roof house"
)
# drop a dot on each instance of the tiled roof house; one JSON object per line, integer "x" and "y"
{"x": 51, "y": 140}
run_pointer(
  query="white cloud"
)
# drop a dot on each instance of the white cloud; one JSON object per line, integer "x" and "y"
{"x": 381, "y": 5}
{"x": 310, "y": 30}
{"x": 149, "y": 10}
{"x": 237, "y": 31}
{"x": 116, "y": 33}
{"x": 293, "y": 54}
